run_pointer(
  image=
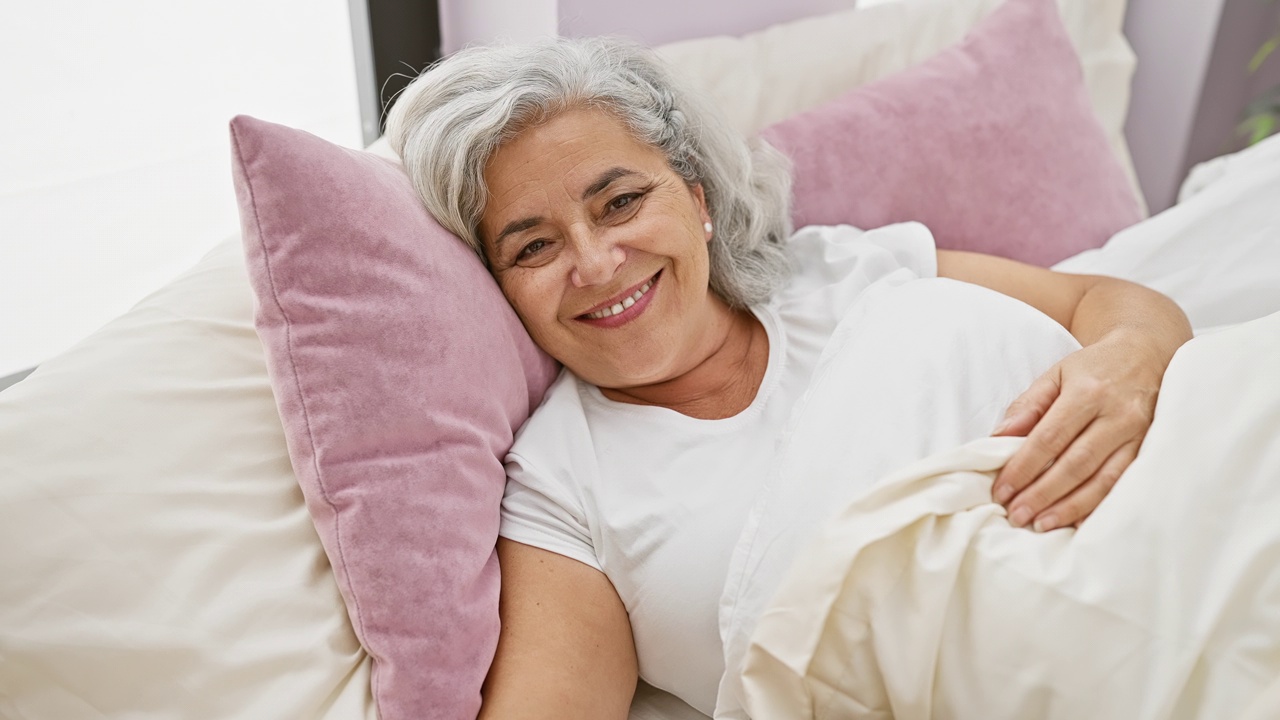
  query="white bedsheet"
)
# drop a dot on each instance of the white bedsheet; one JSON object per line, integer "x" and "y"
{"x": 918, "y": 600}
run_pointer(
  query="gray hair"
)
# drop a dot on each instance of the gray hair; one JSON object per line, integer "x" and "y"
{"x": 451, "y": 119}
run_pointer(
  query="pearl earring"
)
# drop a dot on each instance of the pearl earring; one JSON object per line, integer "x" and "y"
{"x": 706, "y": 226}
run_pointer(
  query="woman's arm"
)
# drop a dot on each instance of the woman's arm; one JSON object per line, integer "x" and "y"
{"x": 565, "y": 651}
{"x": 1089, "y": 413}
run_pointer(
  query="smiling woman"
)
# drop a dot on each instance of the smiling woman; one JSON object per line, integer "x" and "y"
{"x": 447, "y": 130}
{"x": 644, "y": 246}
{"x": 601, "y": 248}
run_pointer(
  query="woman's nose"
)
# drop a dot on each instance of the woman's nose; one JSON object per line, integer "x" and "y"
{"x": 597, "y": 259}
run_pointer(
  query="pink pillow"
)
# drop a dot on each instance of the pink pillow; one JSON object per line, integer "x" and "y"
{"x": 401, "y": 375}
{"x": 992, "y": 144}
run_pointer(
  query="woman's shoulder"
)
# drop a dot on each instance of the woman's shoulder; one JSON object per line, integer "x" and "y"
{"x": 553, "y": 448}
{"x": 559, "y": 415}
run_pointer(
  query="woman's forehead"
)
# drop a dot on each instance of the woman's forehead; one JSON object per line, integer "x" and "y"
{"x": 572, "y": 144}
{"x": 568, "y": 156}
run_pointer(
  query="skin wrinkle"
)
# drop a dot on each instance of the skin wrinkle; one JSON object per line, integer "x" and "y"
{"x": 607, "y": 178}
{"x": 687, "y": 350}
{"x": 600, "y": 185}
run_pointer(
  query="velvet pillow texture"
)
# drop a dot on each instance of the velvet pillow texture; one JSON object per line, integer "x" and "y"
{"x": 992, "y": 144}
{"x": 401, "y": 376}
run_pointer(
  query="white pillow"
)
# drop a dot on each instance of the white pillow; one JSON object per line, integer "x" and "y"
{"x": 1216, "y": 252}
{"x": 1263, "y": 157}
{"x": 156, "y": 556}
{"x": 764, "y": 77}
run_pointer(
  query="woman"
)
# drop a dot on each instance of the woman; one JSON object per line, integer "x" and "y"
{"x": 646, "y": 248}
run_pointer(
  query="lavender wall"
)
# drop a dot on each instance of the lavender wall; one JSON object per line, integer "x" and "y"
{"x": 661, "y": 21}
{"x": 1228, "y": 87}
{"x": 1191, "y": 83}
{"x": 1173, "y": 40}
{"x": 465, "y": 21}
{"x": 652, "y": 21}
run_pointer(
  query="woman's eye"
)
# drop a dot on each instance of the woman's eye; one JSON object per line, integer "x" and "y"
{"x": 531, "y": 249}
{"x": 623, "y": 201}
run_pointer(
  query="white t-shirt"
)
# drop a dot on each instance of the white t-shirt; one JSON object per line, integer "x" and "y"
{"x": 655, "y": 499}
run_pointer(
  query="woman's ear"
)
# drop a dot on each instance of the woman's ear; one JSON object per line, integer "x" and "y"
{"x": 700, "y": 198}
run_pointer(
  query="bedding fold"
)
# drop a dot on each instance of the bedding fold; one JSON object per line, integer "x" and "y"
{"x": 917, "y": 599}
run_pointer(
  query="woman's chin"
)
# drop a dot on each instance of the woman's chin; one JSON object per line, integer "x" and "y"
{"x": 624, "y": 377}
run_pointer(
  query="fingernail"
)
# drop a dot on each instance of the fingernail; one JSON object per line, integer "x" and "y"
{"x": 1004, "y": 425}
{"x": 1046, "y": 523}
{"x": 1020, "y": 517}
{"x": 1003, "y": 493}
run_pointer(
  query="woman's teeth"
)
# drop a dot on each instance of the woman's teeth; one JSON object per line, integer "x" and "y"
{"x": 619, "y": 307}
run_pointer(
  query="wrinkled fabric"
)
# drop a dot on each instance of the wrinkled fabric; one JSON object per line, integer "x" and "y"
{"x": 911, "y": 370}
{"x": 919, "y": 600}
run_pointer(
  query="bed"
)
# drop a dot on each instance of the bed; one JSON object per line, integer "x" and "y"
{"x": 161, "y": 557}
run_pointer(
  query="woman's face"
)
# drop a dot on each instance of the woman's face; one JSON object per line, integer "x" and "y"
{"x": 601, "y": 249}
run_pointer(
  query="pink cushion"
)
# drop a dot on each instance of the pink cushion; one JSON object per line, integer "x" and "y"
{"x": 401, "y": 375}
{"x": 992, "y": 144}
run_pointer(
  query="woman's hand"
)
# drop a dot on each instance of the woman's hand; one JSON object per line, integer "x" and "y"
{"x": 1084, "y": 421}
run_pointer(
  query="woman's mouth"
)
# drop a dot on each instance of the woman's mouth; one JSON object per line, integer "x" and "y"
{"x": 624, "y": 309}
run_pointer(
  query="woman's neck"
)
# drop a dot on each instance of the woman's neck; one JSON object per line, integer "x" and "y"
{"x": 720, "y": 386}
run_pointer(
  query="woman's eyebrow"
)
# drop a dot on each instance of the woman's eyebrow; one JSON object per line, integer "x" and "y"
{"x": 513, "y": 227}
{"x": 606, "y": 179}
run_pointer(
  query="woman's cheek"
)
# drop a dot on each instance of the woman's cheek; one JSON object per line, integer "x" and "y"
{"x": 535, "y": 303}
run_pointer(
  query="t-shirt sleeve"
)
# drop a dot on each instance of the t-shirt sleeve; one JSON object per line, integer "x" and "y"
{"x": 835, "y": 264}
{"x": 539, "y": 510}
{"x": 910, "y": 244}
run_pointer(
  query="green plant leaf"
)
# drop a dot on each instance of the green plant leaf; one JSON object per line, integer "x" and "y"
{"x": 1256, "y": 128}
{"x": 1262, "y": 129}
{"x": 1265, "y": 51}
{"x": 1245, "y": 128}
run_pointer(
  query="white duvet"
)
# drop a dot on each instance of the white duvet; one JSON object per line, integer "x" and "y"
{"x": 918, "y": 600}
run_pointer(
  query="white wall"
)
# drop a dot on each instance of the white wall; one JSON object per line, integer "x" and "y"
{"x": 114, "y": 154}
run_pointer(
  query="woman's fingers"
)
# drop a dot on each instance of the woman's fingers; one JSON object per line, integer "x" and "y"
{"x": 1064, "y": 422}
{"x": 1084, "y": 420}
{"x": 1096, "y": 453}
{"x": 1027, "y": 409}
{"x": 1069, "y": 470}
{"x": 1081, "y": 502}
